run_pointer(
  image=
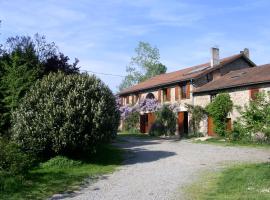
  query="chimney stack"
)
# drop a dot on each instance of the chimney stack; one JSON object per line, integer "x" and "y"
{"x": 215, "y": 56}
{"x": 245, "y": 52}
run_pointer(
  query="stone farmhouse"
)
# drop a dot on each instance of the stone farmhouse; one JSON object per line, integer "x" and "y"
{"x": 198, "y": 85}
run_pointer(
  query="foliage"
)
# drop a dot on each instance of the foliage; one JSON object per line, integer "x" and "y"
{"x": 13, "y": 160}
{"x": 197, "y": 114}
{"x": 143, "y": 66}
{"x": 219, "y": 109}
{"x": 132, "y": 122}
{"x": 65, "y": 115}
{"x": 22, "y": 62}
{"x": 167, "y": 119}
{"x": 19, "y": 71}
{"x": 60, "y": 162}
{"x": 157, "y": 129}
{"x": 60, "y": 174}
{"x": 254, "y": 123}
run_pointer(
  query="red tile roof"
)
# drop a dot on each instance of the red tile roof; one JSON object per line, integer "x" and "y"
{"x": 243, "y": 77}
{"x": 178, "y": 76}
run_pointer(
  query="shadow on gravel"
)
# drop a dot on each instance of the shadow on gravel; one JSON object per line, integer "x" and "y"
{"x": 141, "y": 155}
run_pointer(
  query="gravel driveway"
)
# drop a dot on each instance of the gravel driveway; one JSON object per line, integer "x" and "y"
{"x": 157, "y": 169}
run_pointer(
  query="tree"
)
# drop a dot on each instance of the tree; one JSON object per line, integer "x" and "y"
{"x": 143, "y": 66}
{"x": 23, "y": 61}
{"x": 19, "y": 70}
{"x": 219, "y": 109}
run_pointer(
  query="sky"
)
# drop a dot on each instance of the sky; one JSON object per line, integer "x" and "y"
{"x": 103, "y": 34}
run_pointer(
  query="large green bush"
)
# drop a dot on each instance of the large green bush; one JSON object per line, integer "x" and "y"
{"x": 197, "y": 113}
{"x": 219, "y": 109}
{"x": 65, "y": 115}
{"x": 165, "y": 121}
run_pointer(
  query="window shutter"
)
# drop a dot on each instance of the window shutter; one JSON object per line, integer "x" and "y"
{"x": 159, "y": 95}
{"x": 140, "y": 95}
{"x": 127, "y": 99}
{"x": 121, "y": 101}
{"x": 188, "y": 90}
{"x": 253, "y": 93}
{"x": 168, "y": 94}
{"x": 132, "y": 99}
{"x": 176, "y": 93}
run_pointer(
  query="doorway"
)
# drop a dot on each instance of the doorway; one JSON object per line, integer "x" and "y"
{"x": 183, "y": 123}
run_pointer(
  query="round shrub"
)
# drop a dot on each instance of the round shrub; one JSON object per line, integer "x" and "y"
{"x": 157, "y": 129}
{"x": 65, "y": 115}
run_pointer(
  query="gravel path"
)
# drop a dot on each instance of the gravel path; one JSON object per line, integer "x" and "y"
{"x": 157, "y": 169}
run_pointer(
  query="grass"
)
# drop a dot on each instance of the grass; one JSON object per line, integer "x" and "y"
{"x": 245, "y": 182}
{"x": 221, "y": 141}
{"x": 59, "y": 175}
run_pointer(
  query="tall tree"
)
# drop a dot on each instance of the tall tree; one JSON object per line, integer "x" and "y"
{"x": 22, "y": 62}
{"x": 143, "y": 66}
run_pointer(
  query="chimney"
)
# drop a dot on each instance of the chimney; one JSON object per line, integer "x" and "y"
{"x": 215, "y": 56}
{"x": 245, "y": 52}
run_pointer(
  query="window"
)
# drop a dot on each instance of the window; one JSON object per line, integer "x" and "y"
{"x": 253, "y": 93}
{"x": 183, "y": 91}
{"x": 167, "y": 94}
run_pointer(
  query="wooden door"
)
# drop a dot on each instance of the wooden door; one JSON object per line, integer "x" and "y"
{"x": 181, "y": 117}
{"x": 210, "y": 126}
{"x": 143, "y": 123}
{"x": 151, "y": 120}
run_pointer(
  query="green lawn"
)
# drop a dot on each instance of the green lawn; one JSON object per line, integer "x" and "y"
{"x": 243, "y": 182}
{"x": 65, "y": 175}
{"x": 221, "y": 141}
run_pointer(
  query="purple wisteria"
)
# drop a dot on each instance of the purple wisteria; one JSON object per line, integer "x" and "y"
{"x": 149, "y": 105}
{"x": 144, "y": 105}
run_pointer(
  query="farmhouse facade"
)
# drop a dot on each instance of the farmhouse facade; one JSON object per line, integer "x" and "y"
{"x": 198, "y": 85}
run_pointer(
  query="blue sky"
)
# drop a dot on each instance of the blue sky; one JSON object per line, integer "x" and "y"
{"x": 103, "y": 34}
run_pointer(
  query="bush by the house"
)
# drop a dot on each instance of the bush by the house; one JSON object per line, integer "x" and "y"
{"x": 254, "y": 123}
{"x": 219, "y": 109}
{"x": 132, "y": 122}
{"x": 65, "y": 115}
{"x": 13, "y": 160}
{"x": 157, "y": 129}
{"x": 165, "y": 118}
{"x": 197, "y": 114}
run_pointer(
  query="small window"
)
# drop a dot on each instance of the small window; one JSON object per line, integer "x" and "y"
{"x": 183, "y": 91}
{"x": 165, "y": 94}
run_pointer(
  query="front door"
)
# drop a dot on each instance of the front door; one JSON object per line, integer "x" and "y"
{"x": 182, "y": 123}
{"x": 143, "y": 123}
